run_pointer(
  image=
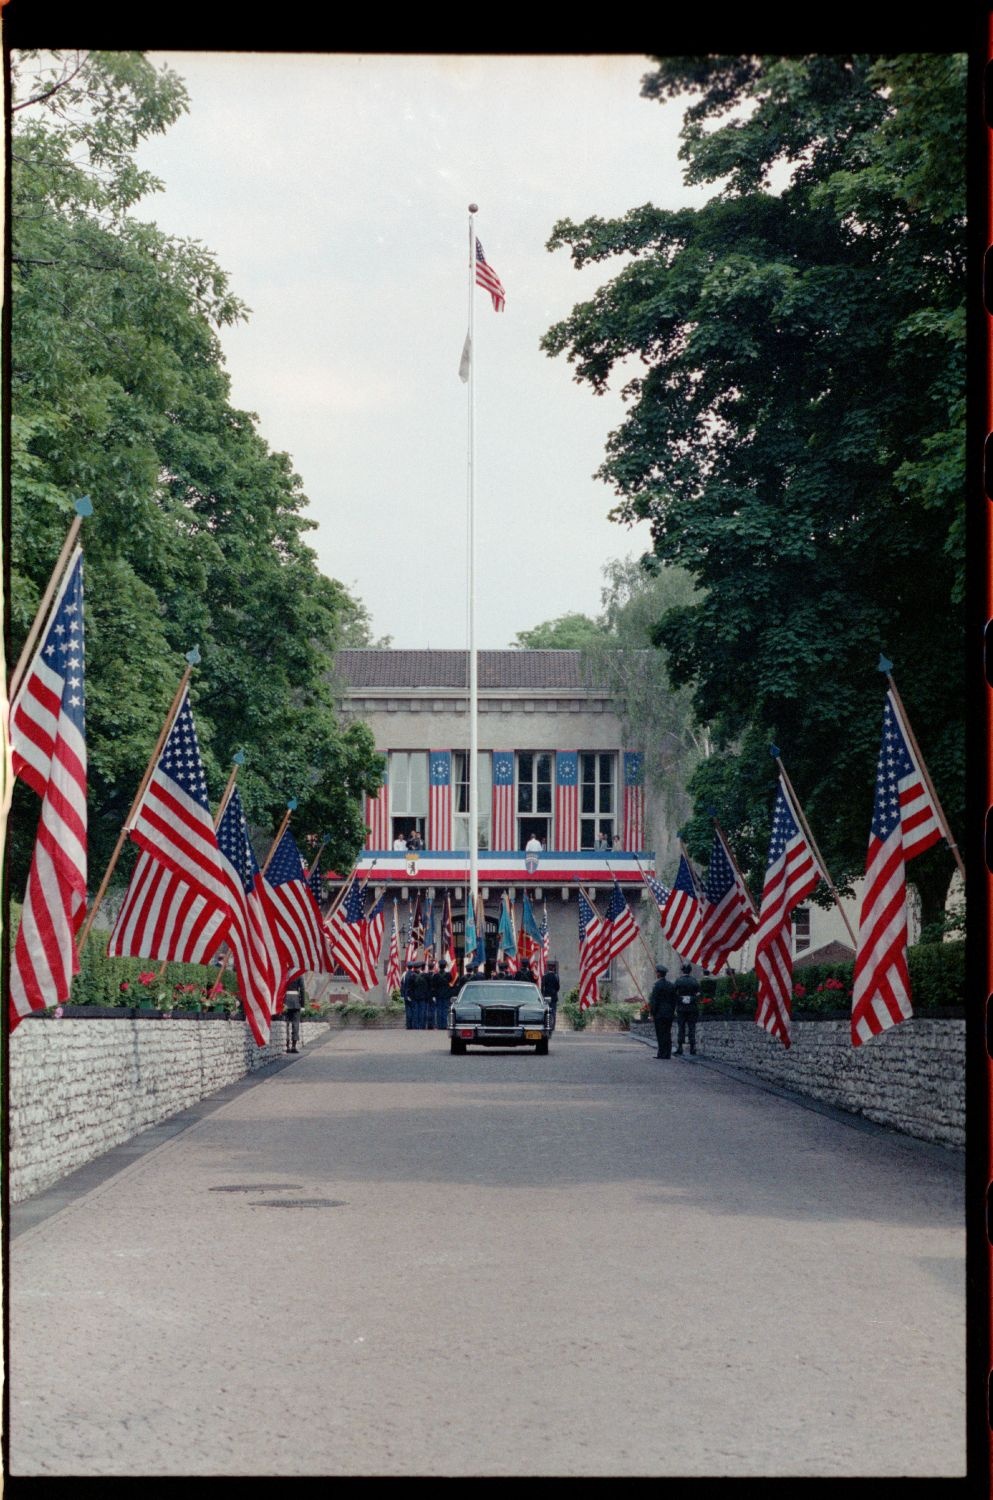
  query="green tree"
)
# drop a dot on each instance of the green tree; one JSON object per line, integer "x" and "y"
{"x": 795, "y": 433}
{"x": 119, "y": 391}
{"x": 569, "y": 632}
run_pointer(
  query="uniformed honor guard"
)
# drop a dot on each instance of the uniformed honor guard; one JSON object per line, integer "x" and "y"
{"x": 662, "y": 1004}
{"x": 687, "y": 993}
{"x": 292, "y": 1006}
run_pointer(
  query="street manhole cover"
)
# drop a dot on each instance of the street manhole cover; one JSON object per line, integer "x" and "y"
{"x": 298, "y": 1203}
{"x": 258, "y": 1187}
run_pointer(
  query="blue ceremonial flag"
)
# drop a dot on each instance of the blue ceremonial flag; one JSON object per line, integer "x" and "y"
{"x": 469, "y": 955}
{"x": 529, "y": 923}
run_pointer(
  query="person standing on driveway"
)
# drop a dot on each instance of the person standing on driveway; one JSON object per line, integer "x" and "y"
{"x": 687, "y": 1009}
{"x": 662, "y": 1004}
{"x": 422, "y": 997}
{"x": 407, "y": 995}
{"x": 550, "y": 989}
{"x": 441, "y": 991}
{"x": 292, "y": 1006}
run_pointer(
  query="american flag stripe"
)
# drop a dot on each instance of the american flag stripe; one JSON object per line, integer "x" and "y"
{"x": 502, "y": 800}
{"x": 347, "y": 934}
{"x": 48, "y": 751}
{"x": 620, "y": 928}
{"x": 296, "y": 916}
{"x": 567, "y": 799}
{"x": 905, "y": 822}
{"x": 681, "y": 917}
{"x": 487, "y": 278}
{"x": 372, "y": 945}
{"x": 634, "y": 817}
{"x": 440, "y": 800}
{"x": 393, "y": 961}
{"x": 730, "y": 920}
{"x": 792, "y": 872}
{"x": 162, "y": 917}
{"x": 377, "y": 816}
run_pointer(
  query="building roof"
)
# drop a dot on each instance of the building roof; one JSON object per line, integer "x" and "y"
{"x": 830, "y": 953}
{"x": 533, "y": 670}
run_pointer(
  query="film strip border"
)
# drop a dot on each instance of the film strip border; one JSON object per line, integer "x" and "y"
{"x": 979, "y": 902}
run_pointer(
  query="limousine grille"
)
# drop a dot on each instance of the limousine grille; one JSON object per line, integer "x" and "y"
{"x": 503, "y": 1015}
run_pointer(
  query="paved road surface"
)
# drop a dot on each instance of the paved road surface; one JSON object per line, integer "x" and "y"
{"x": 386, "y": 1260}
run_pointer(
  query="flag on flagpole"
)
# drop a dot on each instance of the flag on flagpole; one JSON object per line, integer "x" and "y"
{"x": 506, "y": 937}
{"x": 591, "y": 939}
{"x": 905, "y": 822}
{"x": 464, "y": 362}
{"x": 251, "y": 936}
{"x": 660, "y": 892}
{"x": 346, "y": 931}
{"x": 372, "y": 945}
{"x": 488, "y": 279}
{"x": 681, "y": 918}
{"x": 545, "y": 946}
{"x": 415, "y": 931}
{"x": 427, "y": 934}
{"x": 299, "y": 927}
{"x": 163, "y": 917}
{"x": 531, "y": 936}
{"x": 729, "y": 920}
{"x": 620, "y": 928}
{"x": 393, "y": 959}
{"x": 448, "y": 954}
{"x": 469, "y": 952}
{"x": 48, "y": 752}
{"x": 792, "y": 872}
{"x": 480, "y": 932}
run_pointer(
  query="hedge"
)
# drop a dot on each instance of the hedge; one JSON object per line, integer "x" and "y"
{"x": 937, "y": 981}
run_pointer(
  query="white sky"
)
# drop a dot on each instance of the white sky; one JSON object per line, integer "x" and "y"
{"x": 334, "y": 189}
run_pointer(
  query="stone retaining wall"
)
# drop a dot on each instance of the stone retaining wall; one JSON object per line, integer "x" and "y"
{"x": 911, "y": 1078}
{"x": 79, "y": 1087}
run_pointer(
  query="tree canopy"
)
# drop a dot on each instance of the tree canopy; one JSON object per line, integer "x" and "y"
{"x": 119, "y": 392}
{"x": 795, "y": 433}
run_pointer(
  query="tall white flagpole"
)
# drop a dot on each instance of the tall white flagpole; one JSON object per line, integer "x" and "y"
{"x": 473, "y": 674}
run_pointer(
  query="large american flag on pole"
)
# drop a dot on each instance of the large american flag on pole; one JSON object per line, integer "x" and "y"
{"x": 904, "y": 824}
{"x": 346, "y": 932}
{"x": 681, "y": 918}
{"x": 792, "y": 872}
{"x": 48, "y": 745}
{"x": 591, "y": 960}
{"x": 730, "y": 918}
{"x": 372, "y": 945}
{"x": 488, "y": 279}
{"x": 299, "y": 926}
{"x": 503, "y": 800}
{"x": 440, "y": 800}
{"x": 620, "y": 928}
{"x": 393, "y": 958}
{"x": 163, "y": 917}
{"x": 251, "y": 936}
{"x": 567, "y": 799}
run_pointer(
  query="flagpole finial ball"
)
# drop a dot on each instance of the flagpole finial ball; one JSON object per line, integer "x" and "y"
{"x": 884, "y": 664}
{"x": 774, "y": 751}
{"x": 474, "y": 208}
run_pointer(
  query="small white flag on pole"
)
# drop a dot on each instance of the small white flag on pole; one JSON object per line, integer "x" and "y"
{"x": 464, "y": 361}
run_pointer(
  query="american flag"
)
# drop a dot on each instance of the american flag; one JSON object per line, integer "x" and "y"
{"x": 393, "y": 959}
{"x": 634, "y": 800}
{"x": 730, "y": 917}
{"x": 48, "y": 745}
{"x": 448, "y": 954}
{"x": 681, "y": 918}
{"x": 904, "y": 823}
{"x": 346, "y": 932}
{"x": 487, "y": 278}
{"x": 545, "y": 948}
{"x": 315, "y": 881}
{"x": 566, "y": 799}
{"x": 620, "y": 928}
{"x": 377, "y": 816}
{"x": 440, "y": 800}
{"x": 792, "y": 872}
{"x": 373, "y": 944}
{"x": 299, "y": 926}
{"x": 591, "y": 960}
{"x": 660, "y": 892}
{"x": 503, "y": 800}
{"x": 163, "y": 917}
{"x": 173, "y": 821}
{"x": 415, "y": 932}
{"x": 251, "y": 937}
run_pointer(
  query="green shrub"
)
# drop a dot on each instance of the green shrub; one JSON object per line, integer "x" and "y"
{"x": 937, "y": 981}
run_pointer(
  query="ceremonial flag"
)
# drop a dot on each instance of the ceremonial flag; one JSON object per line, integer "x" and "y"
{"x": 48, "y": 749}
{"x": 487, "y": 278}
{"x": 449, "y": 957}
{"x": 346, "y": 931}
{"x": 466, "y": 359}
{"x": 681, "y": 918}
{"x": 660, "y": 892}
{"x": 315, "y": 880}
{"x": 163, "y": 917}
{"x": 440, "y": 800}
{"x": 506, "y": 937}
{"x": 591, "y": 962}
{"x": 530, "y": 939}
{"x": 427, "y": 934}
{"x": 480, "y": 957}
{"x": 730, "y": 918}
{"x": 620, "y": 928}
{"x": 251, "y": 936}
{"x": 299, "y": 926}
{"x": 904, "y": 823}
{"x": 377, "y": 816}
{"x": 545, "y": 948}
{"x": 469, "y": 953}
{"x": 634, "y": 800}
{"x": 792, "y": 872}
{"x": 373, "y": 944}
{"x": 503, "y": 801}
{"x": 393, "y": 959}
{"x": 566, "y": 799}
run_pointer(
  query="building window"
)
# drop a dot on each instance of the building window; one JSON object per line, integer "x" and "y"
{"x": 597, "y": 799}
{"x": 408, "y": 791}
{"x": 801, "y": 928}
{"x": 460, "y": 792}
{"x": 534, "y": 796}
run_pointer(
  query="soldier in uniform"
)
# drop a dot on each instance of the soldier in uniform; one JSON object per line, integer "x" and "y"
{"x": 662, "y": 1004}
{"x": 292, "y": 1006}
{"x": 550, "y": 989}
{"x": 407, "y": 995}
{"x": 422, "y": 997}
{"x": 441, "y": 990}
{"x": 687, "y": 992}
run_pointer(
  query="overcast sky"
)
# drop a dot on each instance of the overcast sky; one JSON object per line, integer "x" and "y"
{"x": 334, "y": 189}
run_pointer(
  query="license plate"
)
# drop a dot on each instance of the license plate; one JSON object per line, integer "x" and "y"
{"x": 533, "y": 1036}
